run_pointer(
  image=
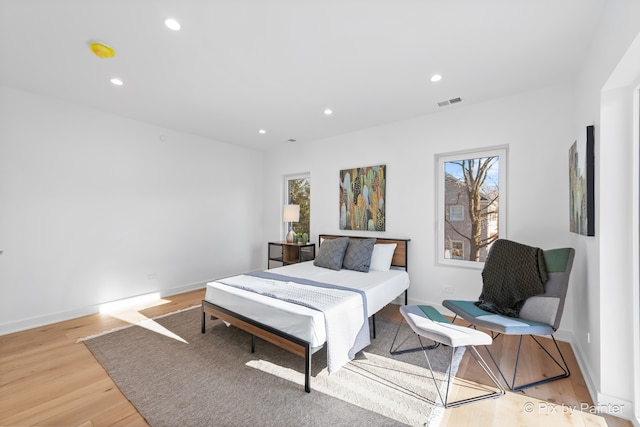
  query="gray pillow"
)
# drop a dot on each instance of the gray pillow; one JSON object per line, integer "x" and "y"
{"x": 331, "y": 253}
{"x": 358, "y": 254}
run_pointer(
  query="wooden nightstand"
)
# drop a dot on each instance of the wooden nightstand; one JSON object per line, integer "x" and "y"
{"x": 282, "y": 253}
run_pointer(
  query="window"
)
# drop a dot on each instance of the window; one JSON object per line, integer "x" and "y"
{"x": 456, "y": 213}
{"x": 297, "y": 192}
{"x": 471, "y": 197}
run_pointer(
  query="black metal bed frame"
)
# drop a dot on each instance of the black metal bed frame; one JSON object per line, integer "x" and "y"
{"x": 282, "y": 339}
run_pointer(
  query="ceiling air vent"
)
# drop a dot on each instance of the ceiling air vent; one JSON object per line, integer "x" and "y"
{"x": 449, "y": 101}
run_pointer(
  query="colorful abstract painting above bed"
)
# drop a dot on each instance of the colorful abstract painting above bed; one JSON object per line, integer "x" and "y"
{"x": 305, "y": 306}
{"x": 362, "y": 198}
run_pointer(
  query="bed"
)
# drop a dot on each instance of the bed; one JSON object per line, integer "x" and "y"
{"x": 341, "y": 298}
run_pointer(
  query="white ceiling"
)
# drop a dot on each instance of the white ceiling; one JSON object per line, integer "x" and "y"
{"x": 238, "y": 66}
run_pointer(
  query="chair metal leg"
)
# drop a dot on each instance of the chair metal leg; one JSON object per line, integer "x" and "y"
{"x": 565, "y": 369}
{"x": 445, "y": 400}
{"x": 409, "y": 350}
{"x": 490, "y": 374}
{"x": 373, "y": 324}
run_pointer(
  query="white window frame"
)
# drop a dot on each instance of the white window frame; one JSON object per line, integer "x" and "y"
{"x": 440, "y": 160}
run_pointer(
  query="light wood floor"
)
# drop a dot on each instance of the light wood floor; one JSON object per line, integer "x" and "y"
{"x": 48, "y": 379}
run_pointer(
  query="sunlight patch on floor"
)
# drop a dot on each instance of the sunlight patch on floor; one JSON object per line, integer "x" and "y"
{"x": 375, "y": 368}
{"x": 371, "y": 383}
{"x": 128, "y": 309}
{"x": 143, "y": 321}
{"x": 279, "y": 371}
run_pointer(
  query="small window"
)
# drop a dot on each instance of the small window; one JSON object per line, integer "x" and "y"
{"x": 456, "y": 213}
{"x": 471, "y": 204}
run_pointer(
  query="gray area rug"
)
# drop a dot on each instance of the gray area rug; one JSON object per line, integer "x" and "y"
{"x": 176, "y": 376}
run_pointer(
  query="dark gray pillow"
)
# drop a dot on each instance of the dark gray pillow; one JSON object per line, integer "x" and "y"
{"x": 331, "y": 253}
{"x": 358, "y": 254}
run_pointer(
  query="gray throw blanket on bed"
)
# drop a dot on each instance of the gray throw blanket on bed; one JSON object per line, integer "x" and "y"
{"x": 345, "y": 313}
{"x": 512, "y": 273}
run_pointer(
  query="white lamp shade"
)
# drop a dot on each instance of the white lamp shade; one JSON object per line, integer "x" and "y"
{"x": 291, "y": 213}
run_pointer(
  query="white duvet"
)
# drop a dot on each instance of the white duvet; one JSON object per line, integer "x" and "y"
{"x": 303, "y": 322}
{"x": 346, "y": 323}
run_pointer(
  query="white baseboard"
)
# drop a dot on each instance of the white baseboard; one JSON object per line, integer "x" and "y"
{"x": 613, "y": 406}
{"x": 35, "y": 322}
{"x": 602, "y": 403}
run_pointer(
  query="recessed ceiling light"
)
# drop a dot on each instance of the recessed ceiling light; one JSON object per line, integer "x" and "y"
{"x": 291, "y": 140}
{"x": 328, "y": 112}
{"x": 262, "y": 131}
{"x": 436, "y": 78}
{"x": 172, "y": 24}
{"x": 116, "y": 81}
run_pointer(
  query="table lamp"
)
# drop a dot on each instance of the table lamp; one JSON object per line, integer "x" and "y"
{"x": 290, "y": 213}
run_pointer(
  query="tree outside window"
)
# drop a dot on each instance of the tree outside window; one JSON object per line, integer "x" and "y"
{"x": 298, "y": 193}
{"x": 472, "y": 194}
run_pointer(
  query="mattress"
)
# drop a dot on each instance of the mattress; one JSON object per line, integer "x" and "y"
{"x": 380, "y": 287}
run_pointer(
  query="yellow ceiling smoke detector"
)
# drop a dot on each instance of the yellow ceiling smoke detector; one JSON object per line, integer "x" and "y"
{"x": 101, "y": 50}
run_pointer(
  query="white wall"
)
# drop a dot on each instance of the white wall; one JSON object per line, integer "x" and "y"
{"x": 95, "y": 208}
{"x": 537, "y": 127}
{"x": 605, "y": 98}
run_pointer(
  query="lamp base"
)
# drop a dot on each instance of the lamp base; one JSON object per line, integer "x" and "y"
{"x": 290, "y": 236}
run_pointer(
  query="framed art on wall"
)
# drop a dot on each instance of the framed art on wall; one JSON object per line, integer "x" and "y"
{"x": 362, "y": 198}
{"x": 581, "y": 181}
